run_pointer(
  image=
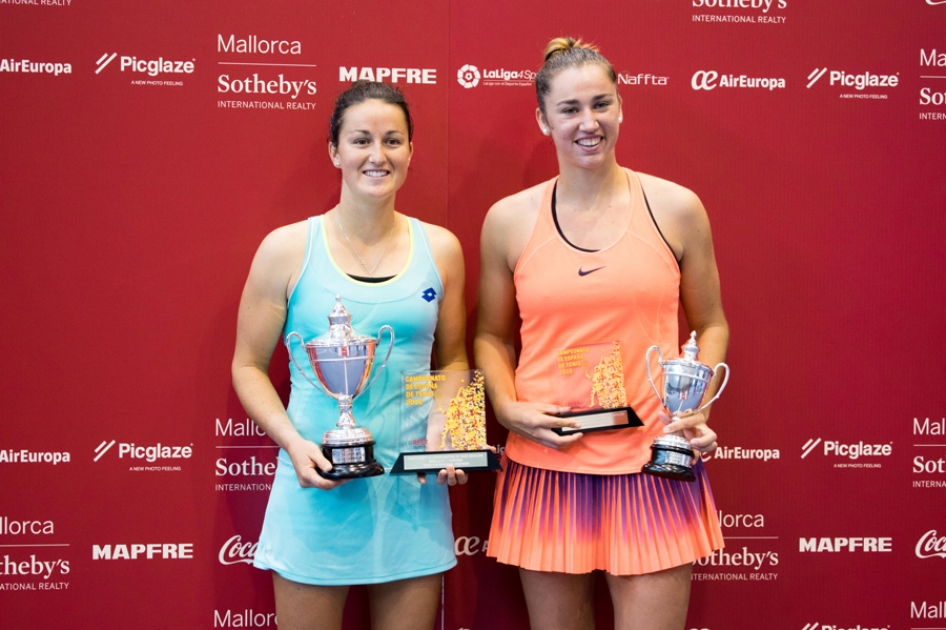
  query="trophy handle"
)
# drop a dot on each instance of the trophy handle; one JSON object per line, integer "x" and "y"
{"x": 386, "y": 357}
{"x": 721, "y": 387}
{"x": 298, "y": 367}
{"x": 660, "y": 359}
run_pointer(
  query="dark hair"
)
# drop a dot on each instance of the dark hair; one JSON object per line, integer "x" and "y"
{"x": 566, "y": 52}
{"x": 359, "y": 92}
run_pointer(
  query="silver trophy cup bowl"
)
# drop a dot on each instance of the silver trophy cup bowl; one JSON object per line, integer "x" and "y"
{"x": 685, "y": 381}
{"x": 342, "y": 362}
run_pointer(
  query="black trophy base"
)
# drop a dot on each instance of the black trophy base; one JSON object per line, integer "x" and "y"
{"x": 599, "y": 419}
{"x": 670, "y": 462}
{"x": 435, "y": 461}
{"x": 350, "y": 461}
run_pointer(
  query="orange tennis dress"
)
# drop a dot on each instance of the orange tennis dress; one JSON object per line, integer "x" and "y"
{"x": 587, "y": 506}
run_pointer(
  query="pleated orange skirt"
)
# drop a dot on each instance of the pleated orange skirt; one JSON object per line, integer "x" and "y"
{"x": 547, "y": 520}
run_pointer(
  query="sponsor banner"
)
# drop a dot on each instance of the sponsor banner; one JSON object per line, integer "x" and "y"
{"x": 747, "y": 12}
{"x": 264, "y": 73}
{"x": 470, "y": 76}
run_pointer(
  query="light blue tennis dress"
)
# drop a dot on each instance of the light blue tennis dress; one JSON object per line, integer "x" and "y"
{"x": 375, "y": 529}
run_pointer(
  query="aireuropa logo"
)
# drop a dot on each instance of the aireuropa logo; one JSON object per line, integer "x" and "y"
{"x": 711, "y": 79}
{"x": 469, "y": 545}
{"x": 427, "y": 76}
{"x": 235, "y": 551}
{"x": 742, "y": 453}
{"x": 25, "y": 66}
{"x": 853, "y": 452}
{"x": 150, "y": 454}
{"x": 144, "y": 551}
{"x": 26, "y": 456}
{"x": 931, "y": 545}
{"x": 468, "y": 76}
{"x": 150, "y": 67}
{"x": 850, "y": 544}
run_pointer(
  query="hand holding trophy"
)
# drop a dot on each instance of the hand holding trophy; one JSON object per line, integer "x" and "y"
{"x": 684, "y": 383}
{"x": 342, "y": 362}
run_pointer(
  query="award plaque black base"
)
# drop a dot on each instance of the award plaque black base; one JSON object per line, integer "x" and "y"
{"x": 670, "y": 458}
{"x": 600, "y": 420}
{"x": 434, "y": 462}
{"x": 350, "y": 461}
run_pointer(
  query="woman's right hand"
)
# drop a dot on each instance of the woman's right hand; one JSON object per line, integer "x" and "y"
{"x": 306, "y": 456}
{"x": 535, "y": 421}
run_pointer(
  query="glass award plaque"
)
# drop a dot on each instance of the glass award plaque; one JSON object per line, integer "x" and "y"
{"x": 443, "y": 423}
{"x": 590, "y": 379}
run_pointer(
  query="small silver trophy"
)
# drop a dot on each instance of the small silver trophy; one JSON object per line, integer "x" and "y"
{"x": 342, "y": 362}
{"x": 684, "y": 383}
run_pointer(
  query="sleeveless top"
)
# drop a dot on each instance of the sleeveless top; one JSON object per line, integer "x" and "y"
{"x": 375, "y": 529}
{"x": 571, "y": 299}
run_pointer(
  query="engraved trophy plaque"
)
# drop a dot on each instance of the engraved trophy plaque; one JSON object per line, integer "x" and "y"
{"x": 590, "y": 380}
{"x": 685, "y": 381}
{"x": 443, "y": 423}
{"x": 342, "y": 362}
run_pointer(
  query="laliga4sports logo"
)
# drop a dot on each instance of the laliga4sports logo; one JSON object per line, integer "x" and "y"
{"x": 468, "y": 76}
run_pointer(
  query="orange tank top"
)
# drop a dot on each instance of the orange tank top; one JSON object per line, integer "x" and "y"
{"x": 569, "y": 300}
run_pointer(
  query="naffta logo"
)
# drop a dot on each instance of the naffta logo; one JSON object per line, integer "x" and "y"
{"x": 151, "y": 67}
{"x": 468, "y": 76}
{"x": 710, "y": 80}
{"x": 931, "y": 545}
{"x": 856, "y": 81}
{"x": 851, "y": 451}
{"x": 147, "y": 453}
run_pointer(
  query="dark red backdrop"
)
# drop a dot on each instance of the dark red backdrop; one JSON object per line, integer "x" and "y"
{"x": 134, "y": 196}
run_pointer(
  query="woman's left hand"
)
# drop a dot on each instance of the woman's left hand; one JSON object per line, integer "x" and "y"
{"x": 694, "y": 429}
{"x": 449, "y": 475}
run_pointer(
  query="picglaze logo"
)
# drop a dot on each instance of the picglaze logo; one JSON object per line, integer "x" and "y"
{"x": 426, "y": 76}
{"x": 165, "y": 72}
{"x": 852, "y": 452}
{"x": 931, "y": 545}
{"x": 831, "y": 626}
{"x": 469, "y": 76}
{"x": 710, "y": 80}
{"x": 25, "y": 66}
{"x": 153, "y": 454}
{"x": 865, "y": 84}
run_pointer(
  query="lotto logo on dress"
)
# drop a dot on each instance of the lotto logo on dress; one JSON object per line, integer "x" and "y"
{"x": 470, "y": 76}
{"x": 264, "y": 72}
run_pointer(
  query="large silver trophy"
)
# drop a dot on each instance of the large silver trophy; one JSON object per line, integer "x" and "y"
{"x": 684, "y": 383}
{"x": 342, "y": 362}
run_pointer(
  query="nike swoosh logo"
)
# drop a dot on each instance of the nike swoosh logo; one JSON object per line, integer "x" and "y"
{"x": 585, "y": 273}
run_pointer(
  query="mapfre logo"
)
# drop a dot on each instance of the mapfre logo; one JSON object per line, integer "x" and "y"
{"x": 235, "y": 551}
{"x": 931, "y": 545}
{"x": 427, "y": 76}
{"x": 845, "y": 544}
{"x": 149, "y": 67}
{"x": 144, "y": 551}
{"x": 710, "y": 80}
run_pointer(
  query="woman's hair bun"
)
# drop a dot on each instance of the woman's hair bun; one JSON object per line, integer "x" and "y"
{"x": 560, "y": 45}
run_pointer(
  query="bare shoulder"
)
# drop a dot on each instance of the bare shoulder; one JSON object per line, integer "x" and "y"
{"x": 444, "y": 245}
{"x": 669, "y": 199}
{"x": 280, "y": 255}
{"x": 520, "y": 208}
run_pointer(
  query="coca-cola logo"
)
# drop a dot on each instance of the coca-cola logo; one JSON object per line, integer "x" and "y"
{"x": 235, "y": 551}
{"x": 931, "y": 545}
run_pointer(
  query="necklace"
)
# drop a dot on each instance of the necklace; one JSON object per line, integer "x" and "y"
{"x": 355, "y": 252}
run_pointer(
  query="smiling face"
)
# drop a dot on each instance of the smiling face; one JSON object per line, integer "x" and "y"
{"x": 373, "y": 149}
{"x": 582, "y": 115}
